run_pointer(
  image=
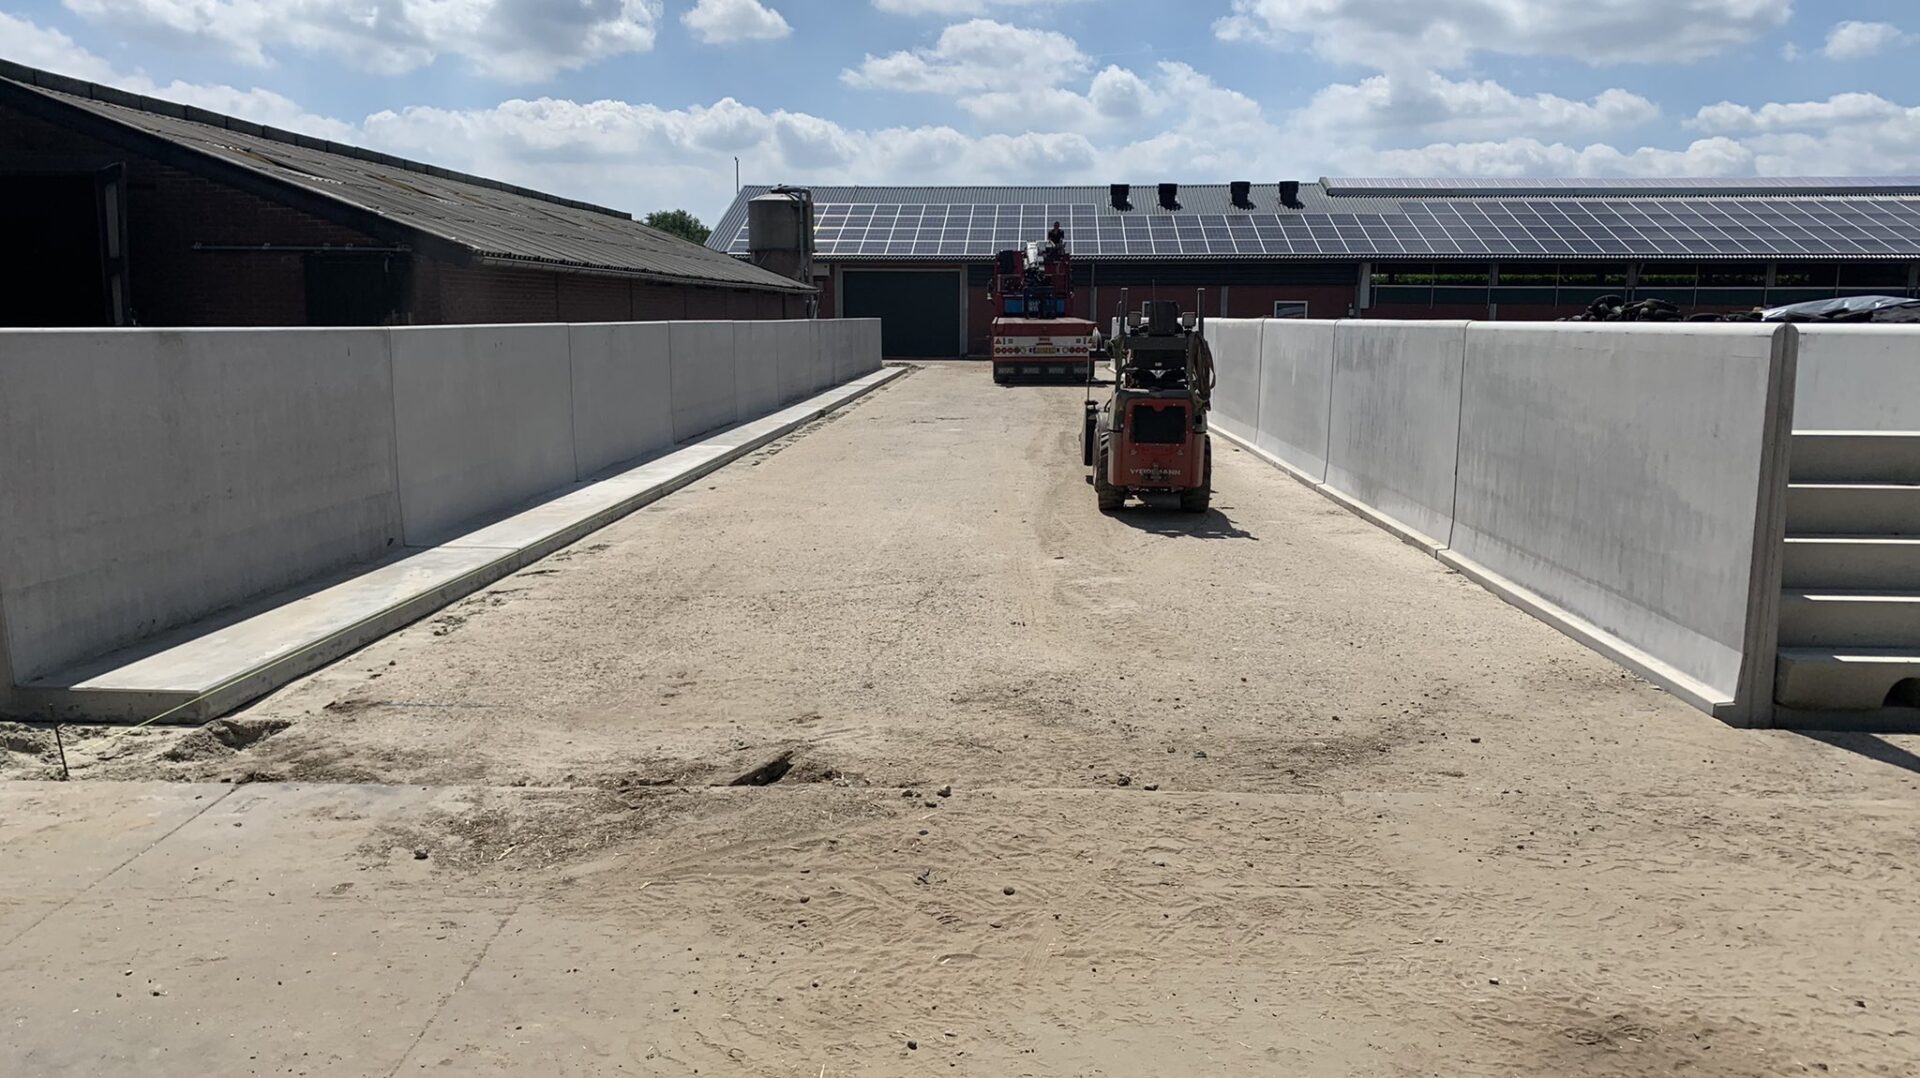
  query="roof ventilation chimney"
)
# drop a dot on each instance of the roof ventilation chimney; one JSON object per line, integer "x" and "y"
{"x": 1290, "y": 194}
{"x": 1241, "y": 190}
{"x": 1169, "y": 196}
{"x": 1117, "y": 195}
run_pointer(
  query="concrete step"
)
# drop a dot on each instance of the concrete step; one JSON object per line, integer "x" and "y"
{"x": 1854, "y": 456}
{"x": 1879, "y": 509}
{"x": 1850, "y": 619}
{"x": 1847, "y": 679}
{"x": 1852, "y": 562}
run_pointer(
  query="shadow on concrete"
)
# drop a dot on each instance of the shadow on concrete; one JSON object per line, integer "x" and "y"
{"x": 1212, "y": 524}
{"x": 1871, "y": 746}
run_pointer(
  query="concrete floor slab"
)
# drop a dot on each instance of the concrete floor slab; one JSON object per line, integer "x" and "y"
{"x": 58, "y": 839}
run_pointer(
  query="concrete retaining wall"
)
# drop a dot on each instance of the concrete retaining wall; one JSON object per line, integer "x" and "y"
{"x": 703, "y": 378}
{"x": 149, "y": 478}
{"x": 1296, "y": 394}
{"x": 1631, "y": 477}
{"x": 1395, "y": 422}
{"x": 1858, "y": 378}
{"x": 756, "y": 368}
{"x": 1235, "y": 343}
{"x": 622, "y": 393}
{"x": 1626, "y": 484}
{"x": 484, "y": 416}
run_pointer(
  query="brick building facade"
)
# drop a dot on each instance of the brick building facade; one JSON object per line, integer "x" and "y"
{"x": 138, "y": 212}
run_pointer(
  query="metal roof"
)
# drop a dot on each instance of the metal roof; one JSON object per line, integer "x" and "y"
{"x": 1409, "y": 219}
{"x": 488, "y": 219}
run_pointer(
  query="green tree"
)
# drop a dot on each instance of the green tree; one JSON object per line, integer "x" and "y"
{"x": 679, "y": 223}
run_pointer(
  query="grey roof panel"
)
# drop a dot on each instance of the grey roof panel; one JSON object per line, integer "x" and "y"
{"x": 1863, "y": 218}
{"x": 489, "y": 219}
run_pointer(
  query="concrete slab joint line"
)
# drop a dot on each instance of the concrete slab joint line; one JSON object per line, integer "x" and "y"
{"x": 206, "y": 668}
{"x": 1716, "y": 485}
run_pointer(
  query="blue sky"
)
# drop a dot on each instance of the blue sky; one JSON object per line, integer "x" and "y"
{"x": 642, "y": 104}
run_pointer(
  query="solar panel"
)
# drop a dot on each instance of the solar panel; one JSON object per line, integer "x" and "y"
{"x": 1657, "y": 228}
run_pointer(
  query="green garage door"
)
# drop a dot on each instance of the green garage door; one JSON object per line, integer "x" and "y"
{"x": 919, "y": 313}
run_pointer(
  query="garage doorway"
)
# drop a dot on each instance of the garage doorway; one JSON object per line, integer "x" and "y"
{"x": 919, "y": 310}
{"x": 69, "y": 229}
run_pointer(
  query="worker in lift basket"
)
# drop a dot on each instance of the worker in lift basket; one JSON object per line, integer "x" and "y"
{"x": 1057, "y": 236}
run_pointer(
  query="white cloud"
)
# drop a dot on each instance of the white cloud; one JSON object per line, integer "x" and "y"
{"x": 1391, "y": 34}
{"x": 1530, "y": 157}
{"x": 978, "y": 55}
{"x": 51, "y": 50}
{"x": 1859, "y": 40}
{"x": 719, "y": 22}
{"x": 950, "y": 7}
{"x": 1838, "y": 110}
{"x": 1435, "y": 106}
{"x": 511, "y": 40}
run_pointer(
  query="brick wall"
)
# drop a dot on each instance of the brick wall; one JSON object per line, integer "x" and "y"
{"x": 168, "y": 211}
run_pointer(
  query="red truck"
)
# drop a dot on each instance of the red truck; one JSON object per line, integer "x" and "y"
{"x": 1035, "y": 339}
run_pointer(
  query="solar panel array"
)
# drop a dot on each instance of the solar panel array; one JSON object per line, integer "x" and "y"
{"x": 1416, "y": 186}
{"x": 1609, "y": 228}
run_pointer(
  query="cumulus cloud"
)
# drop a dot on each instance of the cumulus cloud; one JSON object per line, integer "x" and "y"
{"x": 511, "y": 40}
{"x": 719, "y": 22}
{"x": 1389, "y": 34}
{"x": 977, "y": 55}
{"x": 1435, "y": 106}
{"x": 1859, "y": 40}
{"x": 950, "y": 7}
{"x": 51, "y": 50}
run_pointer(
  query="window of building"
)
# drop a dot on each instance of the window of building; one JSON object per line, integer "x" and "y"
{"x": 1891, "y": 275}
{"x": 1733, "y": 275}
{"x": 1529, "y": 274}
{"x": 1464, "y": 275}
{"x": 1592, "y": 275}
{"x": 1669, "y": 275}
{"x": 1804, "y": 274}
{"x": 1289, "y": 308}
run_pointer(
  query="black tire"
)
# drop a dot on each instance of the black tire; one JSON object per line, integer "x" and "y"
{"x": 1199, "y": 499}
{"x": 999, "y": 378}
{"x": 1105, "y": 494}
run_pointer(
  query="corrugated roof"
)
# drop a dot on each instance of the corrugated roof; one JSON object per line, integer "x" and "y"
{"x": 491, "y": 220}
{"x": 1769, "y": 218}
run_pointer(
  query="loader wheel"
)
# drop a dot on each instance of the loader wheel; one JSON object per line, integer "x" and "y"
{"x": 1105, "y": 494}
{"x": 1198, "y": 499}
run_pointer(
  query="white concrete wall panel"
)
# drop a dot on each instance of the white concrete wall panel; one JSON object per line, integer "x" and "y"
{"x": 756, "y": 351}
{"x": 622, "y": 393}
{"x": 1859, "y": 377}
{"x": 1235, "y": 343}
{"x": 1296, "y": 393}
{"x": 484, "y": 416}
{"x": 1621, "y": 473}
{"x": 151, "y": 477}
{"x": 859, "y": 351}
{"x": 703, "y": 378}
{"x": 794, "y": 356}
{"x": 1394, "y": 424}
{"x": 825, "y": 338}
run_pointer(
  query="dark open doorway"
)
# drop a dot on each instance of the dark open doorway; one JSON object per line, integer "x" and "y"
{"x": 66, "y": 234}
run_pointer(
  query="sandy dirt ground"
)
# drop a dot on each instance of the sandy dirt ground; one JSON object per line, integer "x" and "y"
{"x": 1048, "y": 793}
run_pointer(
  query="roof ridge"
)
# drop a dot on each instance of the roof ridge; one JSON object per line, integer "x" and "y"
{"x": 64, "y": 84}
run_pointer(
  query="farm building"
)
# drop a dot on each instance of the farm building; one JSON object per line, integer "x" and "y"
{"x": 919, "y": 257}
{"x": 134, "y": 211}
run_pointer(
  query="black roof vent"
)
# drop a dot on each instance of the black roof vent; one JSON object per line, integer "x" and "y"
{"x": 1169, "y": 196}
{"x": 1290, "y": 194}
{"x": 1241, "y": 190}
{"x": 1117, "y": 194}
